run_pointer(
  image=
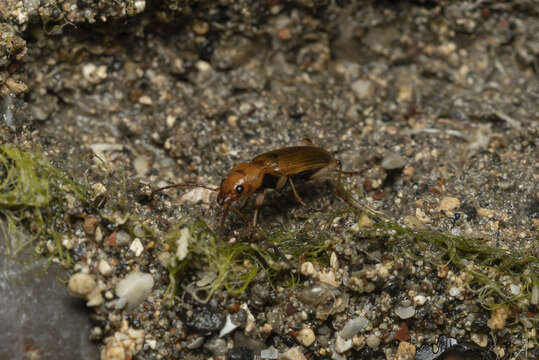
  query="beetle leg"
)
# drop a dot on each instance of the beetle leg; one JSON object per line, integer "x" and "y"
{"x": 258, "y": 201}
{"x": 281, "y": 182}
{"x": 223, "y": 218}
{"x": 339, "y": 169}
{"x": 296, "y": 196}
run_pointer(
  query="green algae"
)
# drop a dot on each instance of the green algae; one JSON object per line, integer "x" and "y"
{"x": 31, "y": 190}
{"x": 233, "y": 266}
{"x": 236, "y": 265}
{"x": 490, "y": 268}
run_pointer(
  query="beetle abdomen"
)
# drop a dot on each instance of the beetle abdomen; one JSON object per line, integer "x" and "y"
{"x": 294, "y": 160}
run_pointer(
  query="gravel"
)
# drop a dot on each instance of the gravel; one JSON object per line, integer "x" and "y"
{"x": 434, "y": 103}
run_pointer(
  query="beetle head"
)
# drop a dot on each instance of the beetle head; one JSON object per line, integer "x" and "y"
{"x": 243, "y": 180}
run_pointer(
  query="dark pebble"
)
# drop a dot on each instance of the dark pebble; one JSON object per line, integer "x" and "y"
{"x": 240, "y": 353}
{"x": 204, "y": 321}
{"x": 467, "y": 352}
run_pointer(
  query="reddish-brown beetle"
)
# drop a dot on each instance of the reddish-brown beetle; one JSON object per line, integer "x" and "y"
{"x": 248, "y": 178}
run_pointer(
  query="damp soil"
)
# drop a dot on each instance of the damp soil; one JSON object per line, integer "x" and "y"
{"x": 435, "y": 103}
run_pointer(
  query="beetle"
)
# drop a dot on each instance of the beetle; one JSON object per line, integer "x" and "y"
{"x": 308, "y": 162}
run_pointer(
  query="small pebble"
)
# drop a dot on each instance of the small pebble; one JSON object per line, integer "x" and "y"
{"x": 269, "y": 353}
{"x": 105, "y": 268}
{"x": 420, "y": 300}
{"x": 498, "y": 318}
{"x": 363, "y": 88}
{"x": 405, "y": 351}
{"x": 204, "y": 321}
{"x": 449, "y": 203}
{"x": 80, "y": 285}
{"x": 353, "y": 326}
{"x": 89, "y": 225}
{"x": 393, "y": 161}
{"x": 405, "y": 312}
{"x": 402, "y": 334}
{"x": 145, "y": 100}
{"x": 454, "y": 291}
{"x": 480, "y": 339}
{"x": 342, "y": 345}
{"x": 216, "y": 346}
{"x": 228, "y": 327}
{"x": 294, "y": 353}
{"x": 195, "y": 342}
{"x": 124, "y": 344}
{"x": 306, "y": 337}
{"x": 373, "y": 341}
{"x": 136, "y": 247}
{"x": 122, "y": 238}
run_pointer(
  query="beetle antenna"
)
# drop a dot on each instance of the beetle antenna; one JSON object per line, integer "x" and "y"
{"x": 359, "y": 172}
{"x": 182, "y": 185}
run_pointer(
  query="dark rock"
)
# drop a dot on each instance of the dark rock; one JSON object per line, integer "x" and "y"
{"x": 240, "y": 353}
{"x": 480, "y": 324}
{"x": 469, "y": 210}
{"x": 204, "y": 321}
{"x": 448, "y": 349}
{"x": 260, "y": 294}
{"x": 467, "y": 352}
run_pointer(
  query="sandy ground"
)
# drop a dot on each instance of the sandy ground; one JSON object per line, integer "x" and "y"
{"x": 436, "y": 103}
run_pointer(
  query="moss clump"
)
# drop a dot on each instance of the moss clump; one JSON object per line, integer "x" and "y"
{"x": 23, "y": 180}
{"x": 29, "y": 188}
{"x": 232, "y": 266}
{"x": 491, "y": 268}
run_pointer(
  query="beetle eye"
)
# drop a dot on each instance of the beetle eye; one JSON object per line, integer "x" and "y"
{"x": 239, "y": 189}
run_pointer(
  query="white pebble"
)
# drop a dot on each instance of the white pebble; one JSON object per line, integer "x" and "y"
{"x": 228, "y": 328}
{"x": 137, "y": 247}
{"x": 294, "y": 353}
{"x": 104, "y": 267}
{"x": 269, "y": 353}
{"x": 307, "y": 268}
{"x": 342, "y": 345}
{"x": 353, "y": 326}
{"x": 405, "y": 312}
{"x": 393, "y": 161}
{"x": 362, "y": 88}
{"x": 373, "y": 341}
{"x": 80, "y": 285}
{"x": 95, "y": 298}
{"x": 134, "y": 289}
{"x": 140, "y": 5}
{"x": 454, "y": 291}
{"x": 420, "y": 299}
{"x": 515, "y": 289}
{"x": 306, "y": 337}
